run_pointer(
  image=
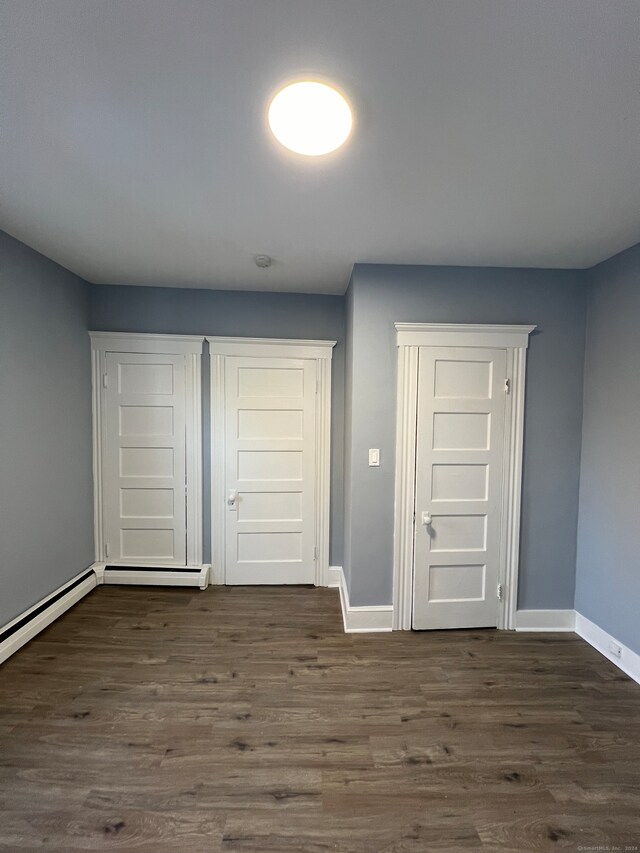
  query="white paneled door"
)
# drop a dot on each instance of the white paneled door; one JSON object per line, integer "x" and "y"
{"x": 270, "y": 422}
{"x": 459, "y": 486}
{"x": 144, "y": 494}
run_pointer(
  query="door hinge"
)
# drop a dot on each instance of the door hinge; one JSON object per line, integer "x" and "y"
{"x": 106, "y": 549}
{"x": 500, "y": 592}
{"x": 105, "y": 380}
{"x": 507, "y": 386}
{"x": 315, "y": 553}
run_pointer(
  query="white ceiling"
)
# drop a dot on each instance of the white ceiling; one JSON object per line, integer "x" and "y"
{"x": 488, "y": 132}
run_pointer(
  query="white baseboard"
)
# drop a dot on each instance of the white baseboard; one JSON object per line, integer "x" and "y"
{"x": 359, "y": 620}
{"x": 570, "y": 620}
{"x": 335, "y": 577}
{"x": 43, "y": 614}
{"x": 628, "y": 662}
{"x": 545, "y": 620}
{"x": 198, "y": 576}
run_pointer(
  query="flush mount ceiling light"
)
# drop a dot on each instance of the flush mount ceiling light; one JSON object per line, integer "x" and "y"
{"x": 310, "y": 118}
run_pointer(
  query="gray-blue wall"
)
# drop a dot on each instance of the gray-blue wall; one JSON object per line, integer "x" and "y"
{"x": 555, "y": 300}
{"x": 243, "y": 314}
{"x": 46, "y": 503}
{"x": 45, "y": 418}
{"x": 608, "y": 566}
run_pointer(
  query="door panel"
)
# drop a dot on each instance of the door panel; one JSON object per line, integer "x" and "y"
{"x": 459, "y": 465}
{"x": 459, "y": 482}
{"x": 270, "y": 467}
{"x": 146, "y": 544}
{"x": 458, "y": 533}
{"x": 270, "y": 506}
{"x": 144, "y": 459}
{"x": 461, "y": 430}
{"x": 146, "y": 420}
{"x": 453, "y": 583}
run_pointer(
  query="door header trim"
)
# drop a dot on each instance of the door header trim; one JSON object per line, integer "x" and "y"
{"x": 270, "y": 347}
{"x": 142, "y": 342}
{"x": 462, "y": 335}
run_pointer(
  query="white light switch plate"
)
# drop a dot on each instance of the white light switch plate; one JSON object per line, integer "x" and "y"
{"x": 374, "y": 457}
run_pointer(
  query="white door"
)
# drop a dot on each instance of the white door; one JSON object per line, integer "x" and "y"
{"x": 144, "y": 473}
{"x": 459, "y": 483}
{"x": 270, "y": 470}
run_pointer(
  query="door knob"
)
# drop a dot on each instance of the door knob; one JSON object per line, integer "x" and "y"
{"x": 426, "y": 519}
{"x": 232, "y": 498}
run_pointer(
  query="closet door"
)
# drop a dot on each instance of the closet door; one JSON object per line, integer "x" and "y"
{"x": 270, "y": 470}
{"x": 144, "y": 466}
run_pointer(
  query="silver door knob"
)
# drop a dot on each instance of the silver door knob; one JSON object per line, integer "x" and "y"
{"x": 426, "y": 519}
{"x": 232, "y": 498}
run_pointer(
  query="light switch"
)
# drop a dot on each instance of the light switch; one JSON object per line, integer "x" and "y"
{"x": 374, "y": 457}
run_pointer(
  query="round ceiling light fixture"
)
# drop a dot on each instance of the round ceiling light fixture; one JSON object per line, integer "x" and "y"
{"x": 310, "y": 118}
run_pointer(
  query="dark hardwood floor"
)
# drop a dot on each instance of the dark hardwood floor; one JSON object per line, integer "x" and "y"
{"x": 243, "y": 719}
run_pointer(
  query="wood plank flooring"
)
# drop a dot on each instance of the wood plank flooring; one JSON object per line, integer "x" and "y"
{"x": 244, "y": 719}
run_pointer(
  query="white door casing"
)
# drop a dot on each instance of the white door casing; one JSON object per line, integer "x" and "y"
{"x": 410, "y": 337}
{"x": 147, "y": 449}
{"x": 270, "y": 447}
{"x": 459, "y": 461}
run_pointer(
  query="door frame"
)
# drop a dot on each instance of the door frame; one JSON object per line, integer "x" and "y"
{"x": 191, "y": 347}
{"x": 321, "y": 352}
{"x": 410, "y": 337}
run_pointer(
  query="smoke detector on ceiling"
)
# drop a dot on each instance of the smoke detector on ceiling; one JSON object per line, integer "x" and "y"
{"x": 262, "y": 261}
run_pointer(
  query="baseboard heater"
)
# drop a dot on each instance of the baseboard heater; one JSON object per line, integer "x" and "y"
{"x": 18, "y": 632}
{"x": 117, "y": 573}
